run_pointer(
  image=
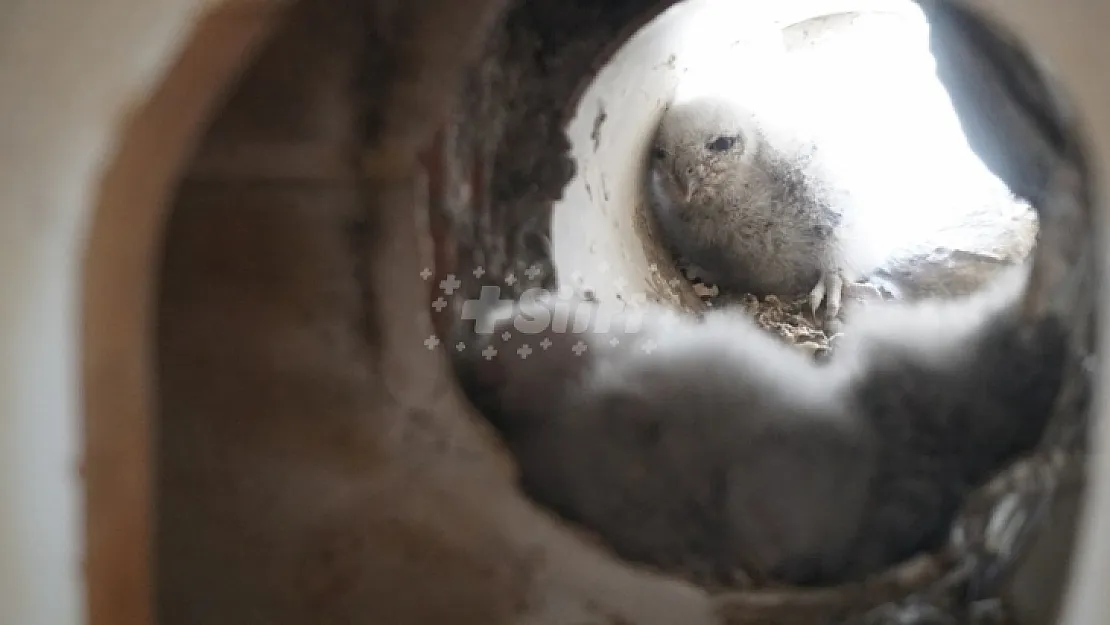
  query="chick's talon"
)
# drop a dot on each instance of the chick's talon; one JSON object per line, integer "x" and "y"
{"x": 830, "y": 290}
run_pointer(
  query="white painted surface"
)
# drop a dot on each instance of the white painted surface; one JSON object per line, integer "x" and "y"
{"x": 591, "y": 226}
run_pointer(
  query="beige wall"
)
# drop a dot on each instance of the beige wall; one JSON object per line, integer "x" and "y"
{"x": 69, "y": 73}
{"x": 74, "y": 78}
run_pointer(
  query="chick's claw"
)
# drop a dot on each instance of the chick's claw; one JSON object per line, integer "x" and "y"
{"x": 830, "y": 290}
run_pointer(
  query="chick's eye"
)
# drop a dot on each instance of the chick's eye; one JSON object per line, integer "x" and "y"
{"x": 720, "y": 144}
{"x": 658, "y": 154}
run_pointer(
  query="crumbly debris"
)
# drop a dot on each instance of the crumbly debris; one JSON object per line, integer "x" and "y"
{"x": 790, "y": 321}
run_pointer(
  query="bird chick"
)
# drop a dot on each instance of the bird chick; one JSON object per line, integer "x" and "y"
{"x": 706, "y": 447}
{"x": 748, "y": 201}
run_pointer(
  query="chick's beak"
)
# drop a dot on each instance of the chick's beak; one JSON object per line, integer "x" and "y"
{"x": 684, "y": 183}
{"x": 687, "y": 188}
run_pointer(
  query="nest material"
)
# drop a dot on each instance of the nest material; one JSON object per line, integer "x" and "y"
{"x": 788, "y": 320}
{"x": 791, "y": 321}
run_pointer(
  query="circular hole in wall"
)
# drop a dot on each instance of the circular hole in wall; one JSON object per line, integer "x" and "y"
{"x": 859, "y": 83}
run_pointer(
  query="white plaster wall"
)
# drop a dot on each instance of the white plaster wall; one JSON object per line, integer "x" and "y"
{"x": 70, "y": 70}
{"x": 69, "y": 73}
